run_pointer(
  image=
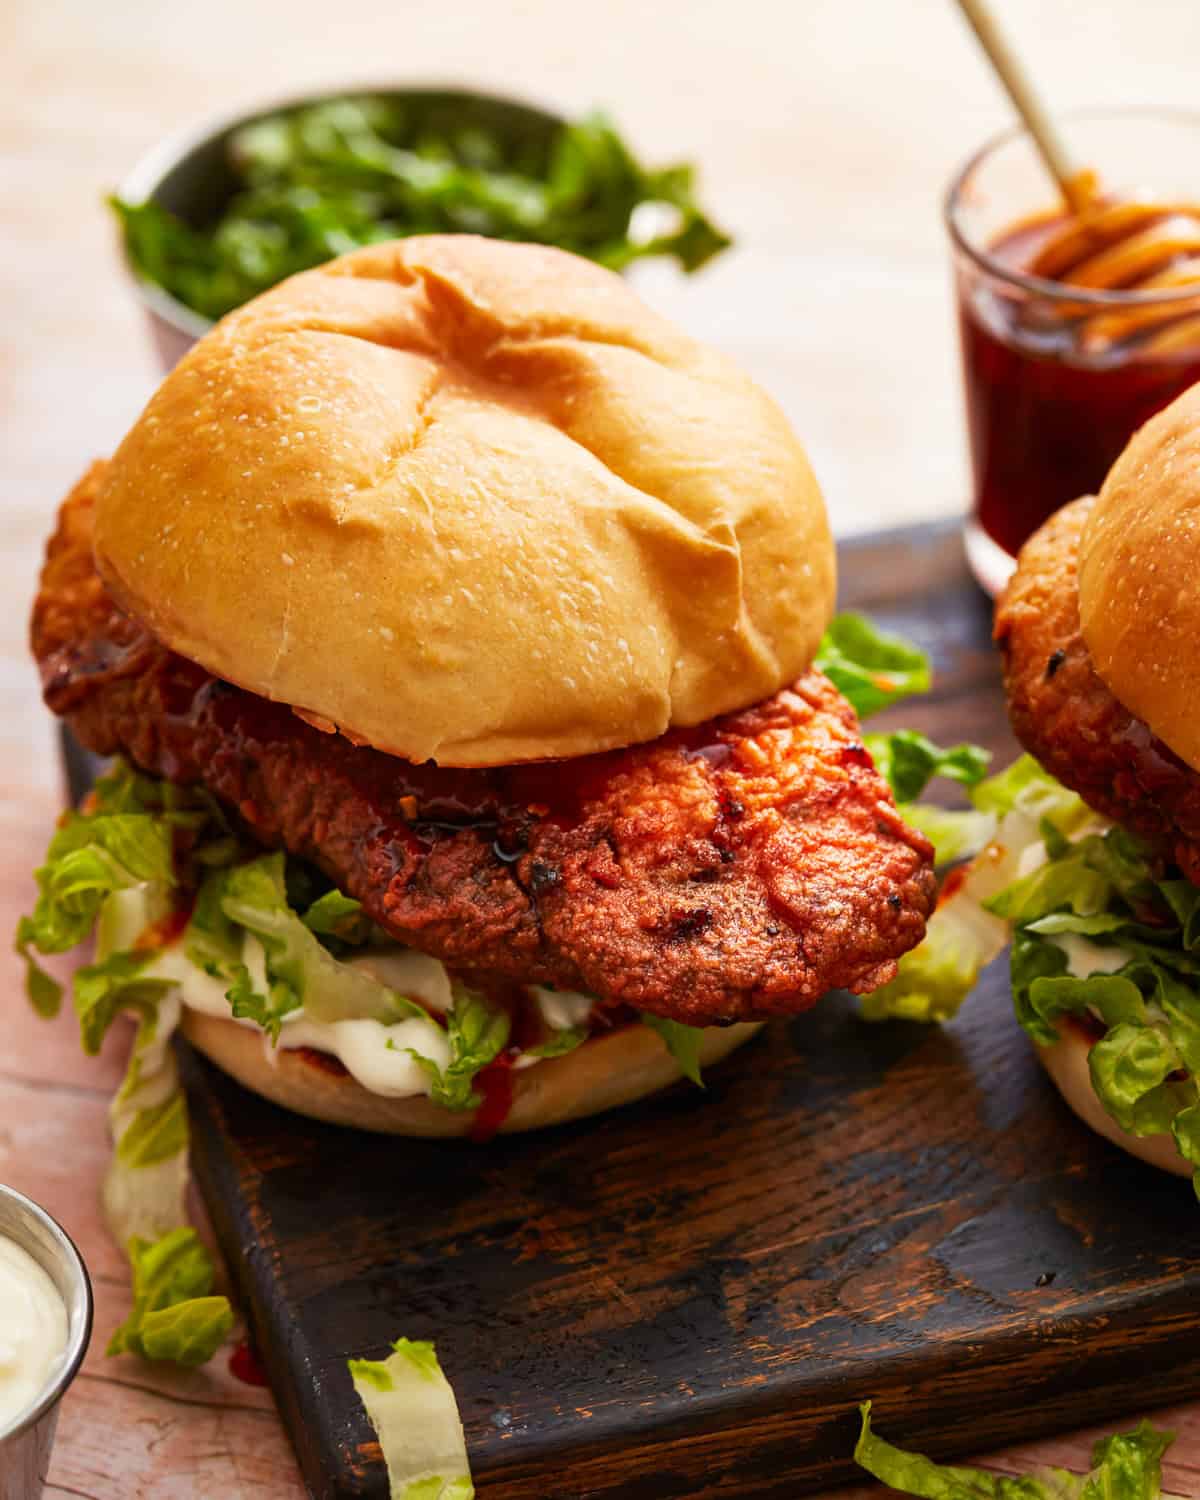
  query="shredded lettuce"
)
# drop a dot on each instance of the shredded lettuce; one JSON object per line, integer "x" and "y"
{"x": 1098, "y": 927}
{"x": 683, "y": 1043}
{"x": 311, "y": 183}
{"x": 869, "y": 667}
{"x": 909, "y": 761}
{"x": 174, "y": 1315}
{"x": 1125, "y": 1466}
{"x": 873, "y": 670}
{"x": 964, "y": 934}
{"x": 412, "y": 1408}
{"x": 340, "y": 917}
{"x": 558, "y": 1043}
{"x": 477, "y": 1035}
{"x": 111, "y": 868}
{"x": 956, "y": 833}
{"x": 1103, "y": 901}
{"x": 287, "y": 966}
{"x": 115, "y": 869}
{"x": 124, "y": 839}
{"x": 933, "y": 980}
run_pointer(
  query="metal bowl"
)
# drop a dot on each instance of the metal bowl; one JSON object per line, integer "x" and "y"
{"x": 26, "y": 1442}
{"x": 189, "y": 174}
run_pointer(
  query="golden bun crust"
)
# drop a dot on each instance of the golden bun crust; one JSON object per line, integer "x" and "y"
{"x": 1139, "y": 576}
{"x": 1066, "y": 1061}
{"x": 604, "y": 1073}
{"x": 474, "y": 502}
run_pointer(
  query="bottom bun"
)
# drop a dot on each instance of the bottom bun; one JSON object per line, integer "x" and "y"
{"x": 603, "y": 1073}
{"x": 1066, "y": 1061}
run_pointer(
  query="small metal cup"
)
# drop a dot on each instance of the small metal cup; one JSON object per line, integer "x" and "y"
{"x": 26, "y": 1442}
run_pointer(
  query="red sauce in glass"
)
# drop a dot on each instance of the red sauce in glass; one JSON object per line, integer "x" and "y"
{"x": 1046, "y": 416}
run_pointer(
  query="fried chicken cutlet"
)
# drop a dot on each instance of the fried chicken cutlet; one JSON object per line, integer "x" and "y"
{"x": 737, "y": 870}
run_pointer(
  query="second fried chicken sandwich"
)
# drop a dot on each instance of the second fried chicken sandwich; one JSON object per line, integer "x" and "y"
{"x": 452, "y": 616}
{"x": 1100, "y": 634}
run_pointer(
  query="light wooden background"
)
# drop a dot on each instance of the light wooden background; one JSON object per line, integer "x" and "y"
{"x": 826, "y": 130}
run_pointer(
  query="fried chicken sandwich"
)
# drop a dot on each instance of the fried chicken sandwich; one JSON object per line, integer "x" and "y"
{"x": 452, "y": 617}
{"x": 1091, "y": 864}
{"x": 1100, "y": 635}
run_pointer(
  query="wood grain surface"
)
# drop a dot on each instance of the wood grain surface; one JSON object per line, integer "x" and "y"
{"x": 825, "y": 132}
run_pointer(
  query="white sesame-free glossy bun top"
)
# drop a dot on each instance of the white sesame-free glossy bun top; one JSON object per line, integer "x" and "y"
{"x": 470, "y": 501}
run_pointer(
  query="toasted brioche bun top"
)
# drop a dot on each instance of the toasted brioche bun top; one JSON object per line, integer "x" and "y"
{"x": 470, "y": 501}
{"x": 1139, "y": 577}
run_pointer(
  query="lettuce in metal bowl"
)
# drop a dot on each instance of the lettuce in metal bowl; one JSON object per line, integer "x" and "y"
{"x": 295, "y": 188}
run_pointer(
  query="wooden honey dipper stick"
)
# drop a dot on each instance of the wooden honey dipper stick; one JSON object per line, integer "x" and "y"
{"x": 1106, "y": 243}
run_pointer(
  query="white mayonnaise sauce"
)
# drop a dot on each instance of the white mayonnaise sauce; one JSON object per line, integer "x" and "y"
{"x": 1035, "y": 854}
{"x": 1031, "y": 858}
{"x": 561, "y": 1009}
{"x": 33, "y": 1331}
{"x": 373, "y": 1054}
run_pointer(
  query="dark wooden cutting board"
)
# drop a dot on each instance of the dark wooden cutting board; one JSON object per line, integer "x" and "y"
{"x": 687, "y": 1298}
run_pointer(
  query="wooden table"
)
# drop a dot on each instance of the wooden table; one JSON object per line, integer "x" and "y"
{"x": 826, "y": 132}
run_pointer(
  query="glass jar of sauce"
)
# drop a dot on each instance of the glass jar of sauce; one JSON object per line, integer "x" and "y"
{"x": 1075, "y": 328}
